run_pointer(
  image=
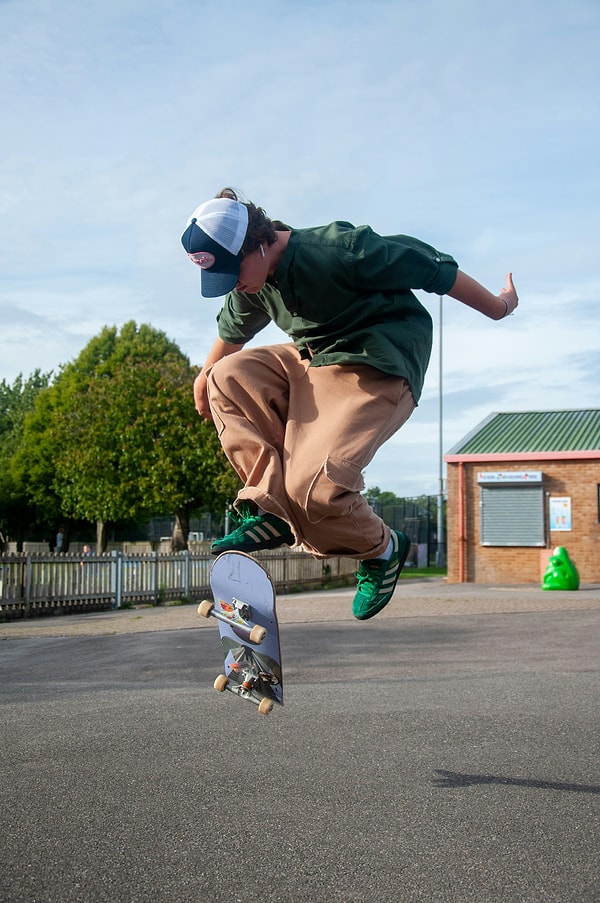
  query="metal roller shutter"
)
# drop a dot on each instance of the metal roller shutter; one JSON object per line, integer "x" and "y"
{"x": 512, "y": 515}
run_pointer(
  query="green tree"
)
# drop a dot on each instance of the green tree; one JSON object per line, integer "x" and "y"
{"x": 126, "y": 441}
{"x": 16, "y": 400}
{"x": 425, "y": 504}
{"x": 375, "y": 496}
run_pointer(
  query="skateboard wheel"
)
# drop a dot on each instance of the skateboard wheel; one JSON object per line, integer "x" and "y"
{"x": 257, "y": 634}
{"x": 265, "y": 706}
{"x": 205, "y": 608}
{"x": 221, "y": 683}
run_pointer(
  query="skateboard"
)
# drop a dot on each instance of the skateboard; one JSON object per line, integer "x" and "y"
{"x": 244, "y": 608}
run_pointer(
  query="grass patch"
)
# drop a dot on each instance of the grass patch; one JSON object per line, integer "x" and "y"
{"x": 420, "y": 573}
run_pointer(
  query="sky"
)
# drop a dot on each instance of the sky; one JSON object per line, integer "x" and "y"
{"x": 472, "y": 125}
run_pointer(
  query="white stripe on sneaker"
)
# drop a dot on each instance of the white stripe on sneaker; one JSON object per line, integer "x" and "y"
{"x": 262, "y": 532}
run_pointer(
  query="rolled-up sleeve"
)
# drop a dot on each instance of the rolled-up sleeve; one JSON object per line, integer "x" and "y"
{"x": 396, "y": 262}
{"x": 240, "y": 319}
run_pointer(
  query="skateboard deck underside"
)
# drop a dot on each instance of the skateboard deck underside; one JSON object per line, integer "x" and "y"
{"x": 237, "y": 580}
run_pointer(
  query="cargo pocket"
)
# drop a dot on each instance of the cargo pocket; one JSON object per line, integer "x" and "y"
{"x": 334, "y": 490}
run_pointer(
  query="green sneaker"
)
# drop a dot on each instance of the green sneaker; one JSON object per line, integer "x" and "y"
{"x": 253, "y": 533}
{"x": 377, "y": 579}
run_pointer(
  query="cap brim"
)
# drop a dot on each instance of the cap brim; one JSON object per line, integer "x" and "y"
{"x": 213, "y": 285}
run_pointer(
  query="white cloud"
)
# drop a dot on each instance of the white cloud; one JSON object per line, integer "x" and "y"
{"x": 471, "y": 125}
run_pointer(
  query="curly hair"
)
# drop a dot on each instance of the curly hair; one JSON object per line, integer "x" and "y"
{"x": 261, "y": 230}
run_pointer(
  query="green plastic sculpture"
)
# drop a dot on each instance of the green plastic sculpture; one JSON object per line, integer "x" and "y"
{"x": 561, "y": 572}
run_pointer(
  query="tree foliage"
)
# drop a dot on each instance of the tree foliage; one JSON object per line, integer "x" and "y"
{"x": 117, "y": 437}
{"x": 375, "y": 496}
{"x": 16, "y": 401}
{"x": 382, "y": 500}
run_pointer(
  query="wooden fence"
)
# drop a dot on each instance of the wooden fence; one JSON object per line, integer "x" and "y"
{"x": 32, "y": 584}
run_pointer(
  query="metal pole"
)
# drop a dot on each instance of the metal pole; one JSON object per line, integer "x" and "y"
{"x": 440, "y": 558}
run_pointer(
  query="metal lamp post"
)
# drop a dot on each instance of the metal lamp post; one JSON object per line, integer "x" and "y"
{"x": 440, "y": 558}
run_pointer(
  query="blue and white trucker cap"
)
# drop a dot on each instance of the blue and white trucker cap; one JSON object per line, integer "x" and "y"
{"x": 213, "y": 239}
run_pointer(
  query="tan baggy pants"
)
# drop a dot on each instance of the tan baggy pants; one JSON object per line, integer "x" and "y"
{"x": 299, "y": 437}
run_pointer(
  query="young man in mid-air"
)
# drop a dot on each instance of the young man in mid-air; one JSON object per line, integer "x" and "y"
{"x": 300, "y": 421}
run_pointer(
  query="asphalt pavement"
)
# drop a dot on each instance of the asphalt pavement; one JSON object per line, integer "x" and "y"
{"x": 447, "y": 750}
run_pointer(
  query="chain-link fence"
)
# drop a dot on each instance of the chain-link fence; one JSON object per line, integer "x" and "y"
{"x": 417, "y": 519}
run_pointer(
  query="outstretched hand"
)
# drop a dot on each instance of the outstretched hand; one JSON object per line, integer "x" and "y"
{"x": 509, "y": 295}
{"x": 473, "y": 294}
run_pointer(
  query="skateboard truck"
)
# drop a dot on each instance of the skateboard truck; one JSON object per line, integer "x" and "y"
{"x": 255, "y": 634}
{"x": 244, "y": 689}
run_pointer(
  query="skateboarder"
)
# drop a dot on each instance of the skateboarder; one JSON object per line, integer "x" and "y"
{"x": 300, "y": 421}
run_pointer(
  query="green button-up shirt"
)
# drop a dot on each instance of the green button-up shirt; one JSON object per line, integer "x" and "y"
{"x": 344, "y": 294}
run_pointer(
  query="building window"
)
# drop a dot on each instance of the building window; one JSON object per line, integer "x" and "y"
{"x": 512, "y": 513}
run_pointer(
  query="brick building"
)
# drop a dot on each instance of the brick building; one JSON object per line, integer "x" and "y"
{"x": 519, "y": 485}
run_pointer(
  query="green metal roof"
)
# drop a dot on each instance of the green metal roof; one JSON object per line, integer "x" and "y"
{"x": 533, "y": 431}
